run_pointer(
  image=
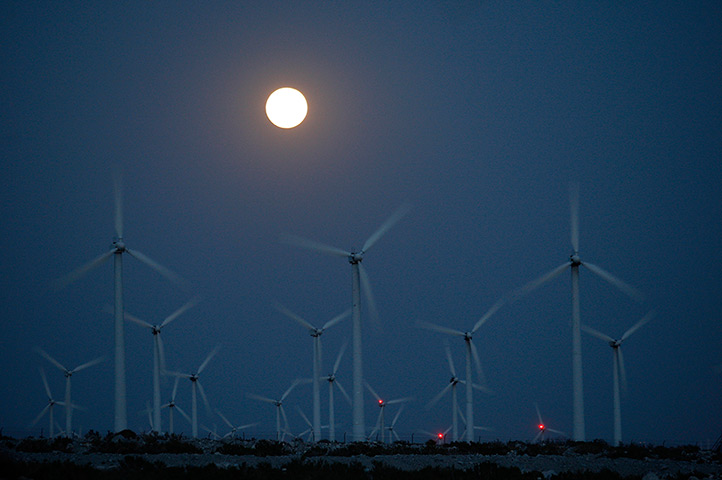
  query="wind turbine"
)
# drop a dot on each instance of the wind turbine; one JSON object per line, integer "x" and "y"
{"x": 117, "y": 250}
{"x": 171, "y": 405}
{"x": 316, "y": 335}
{"x": 618, "y": 368}
{"x": 390, "y": 428}
{"x": 48, "y": 408}
{"x": 196, "y": 386}
{"x": 312, "y": 435}
{"x": 574, "y": 263}
{"x": 280, "y": 412}
{"x": 159, "y": 355}
{"x": 471, "y": 353}
{"x": 453, "y": 382}
{"x": 359, "y": 277}
{"x": 332, "y": 380}
{"x": 382, "y": 406}
{"x": 233, "y": 428}
{"x": 543, "y": 428}
{"x": 68, "y": 374}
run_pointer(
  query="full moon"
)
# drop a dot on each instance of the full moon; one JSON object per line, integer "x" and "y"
{"x": 286, "y": 107}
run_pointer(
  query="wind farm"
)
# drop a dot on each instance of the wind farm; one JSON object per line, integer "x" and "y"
{"x": 524, "y": 182}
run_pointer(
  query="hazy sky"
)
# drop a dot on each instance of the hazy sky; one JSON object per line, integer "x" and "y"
{"x": 479, "y": 115}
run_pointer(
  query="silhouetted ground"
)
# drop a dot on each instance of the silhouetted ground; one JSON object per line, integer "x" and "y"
{"x": 127, "y": 455}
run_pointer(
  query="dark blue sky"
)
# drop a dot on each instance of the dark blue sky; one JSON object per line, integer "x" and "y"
{"x": 480, "y": 116}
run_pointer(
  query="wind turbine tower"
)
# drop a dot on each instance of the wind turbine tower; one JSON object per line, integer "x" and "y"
{"x": 358, "y": 277}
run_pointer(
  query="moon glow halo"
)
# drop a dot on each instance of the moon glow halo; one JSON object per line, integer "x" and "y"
{"x": 286, "y": 107}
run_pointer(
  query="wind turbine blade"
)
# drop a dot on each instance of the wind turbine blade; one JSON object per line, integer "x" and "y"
{"x": 449, "y": 359}
{"x": 344, "y": 392}
{"x": 627, "y": 289}
{"x": 396, "y": 417}
{"x": 293, "y": 316}
{"x": 178, "y": 374}
{"x": 390, "y": 222}
{"x": 556, "y": 431}
{"x": 488, "y": 314}
{"x": 477, "y": 363}
{"x": 538, "y": 435}
{"x": 285, "y": 418}
{"x": 597, "y": 333}
{"x": 314, "y": 245}
{"x": 224, "y": 419}
{"x": 338, "y": 358}
{"x": 439, "y": 328}
{"x": 336, "y": 319}
{"x": 175, "y": 389}
{"x": 295, "y": 383}
{"x": 210, "y": 431}
{"x": 45, "y": 383}
{"x": 118, "y": 191}
{"x": 203, "y": 396}
{"x": 637, "y": 325}
{"x": 534, "y": 284}
{"x": 622, "y": 370}
{"x": 182, "y": 412}
{"x": 40, "y": 415}
{"x": 50, "y": 359}
{"x": 399, "y": 400}
{"x": 438, "y": 396}
{"x": 191, "y": 303}
{"x": 161, "y": 351}
{"x": 398, "y": 439}
{"x": 134, "y": 319}
{"x": 366, "y": 284}
{"x": 81, "y": 271}
{"x": 370, "y": 389}
{"x": 574, "y": 214}
{"x": 305, "y": 418}
{"x": 538, "y": 414}
{"x": 89, "y": 364}
{"x": 259, "y": 397}
{"x": 208, "y": 359}
{"x": 167, "y": 273}
{"x": 249, "y": 425}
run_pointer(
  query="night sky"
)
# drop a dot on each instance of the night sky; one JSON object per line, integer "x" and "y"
{"x": 479, "y": 115}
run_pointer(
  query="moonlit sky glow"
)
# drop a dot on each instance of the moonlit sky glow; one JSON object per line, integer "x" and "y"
{"x": 480, "y": 115}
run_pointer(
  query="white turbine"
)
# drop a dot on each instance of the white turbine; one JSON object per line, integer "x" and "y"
{"x": 312, "y": 435}
{"x": 453, "y": 382}
{"x": 196, "y": 386}
{"x": 117, "y": 251}
{"x": 234, "y": 428}
{"x": 382, "y": 406}
{"x": 316, "y": 335}
{"x": 471, "y": 354}
{"x": 68, "y": 374}
{"x": 171, "y": 405}
{"x": 159, "y": 355}
{"x": 359, "y": 276}
{"x": 280, "y": 412}
{"x": 48, "y": 408}
{"x": 618, "y": 369}
{"x": 574, "y": 263}
{"x": 332, "y": 380}
{"x": 543, "y": 428}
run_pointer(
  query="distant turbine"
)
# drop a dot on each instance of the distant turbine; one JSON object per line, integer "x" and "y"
{"x": 196, "y": 385}
{"x": 391, "y": 428}
{"x": 280, "y": 412}
{"x": 48, "y": 408}
{"x": 382, "y": 406}
{"x": 331, "y": 379}
{"x": 68, "y": 374}
{"x": 117, "y": 250}
{"x": 451, "y": 386}
{"x": 471, "y": 353}
{"x": 171, "y": 405}
{"x": 543, "y": 428}
{"x": 618, "y": 369}
{"x": 316, "y": 335}
{"x": 234, "y": 429}
{"x": 359, "y": 276}
{"x": 574, "y": 263}
{"x": 312, "y": 435}
{"x": 159, "y": 355}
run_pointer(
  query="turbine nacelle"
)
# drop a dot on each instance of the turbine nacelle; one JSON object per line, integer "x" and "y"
{"x": 355, "y": 258}
{"x": 615, "y": 344}
{"x": 119, "y": 245}
{"x": 575, "y": 259}
{"x": 454, "y": 380}
{"x": 468, "y": 336}
{"x": 155, "y": 329}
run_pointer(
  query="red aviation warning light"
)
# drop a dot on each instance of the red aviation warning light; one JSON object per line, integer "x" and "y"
{"x": 381, "y": 402}
{"x": 541, "y": 426}
{"x": 441, "y": 436}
